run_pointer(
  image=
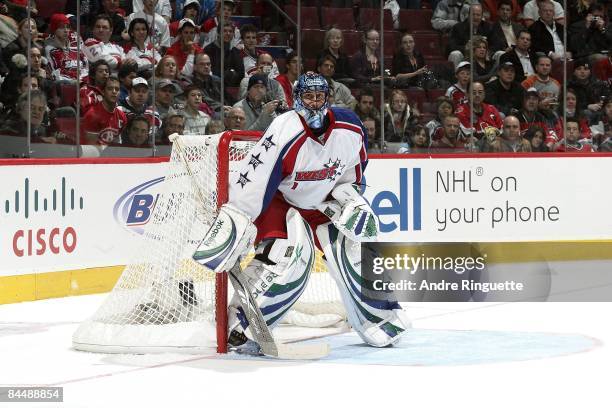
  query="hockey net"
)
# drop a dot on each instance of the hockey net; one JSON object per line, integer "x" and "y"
{"x": 166, "y": 302}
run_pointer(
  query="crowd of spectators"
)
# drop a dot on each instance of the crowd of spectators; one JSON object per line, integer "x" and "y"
{"x": 144, "y": 69}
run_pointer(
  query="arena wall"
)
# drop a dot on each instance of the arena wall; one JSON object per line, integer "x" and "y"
{"x": 68, "y": 226}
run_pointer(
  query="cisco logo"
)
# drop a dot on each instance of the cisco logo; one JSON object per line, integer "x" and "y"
{"x": 400, "y": 210}
{"x": 133, "y": 209}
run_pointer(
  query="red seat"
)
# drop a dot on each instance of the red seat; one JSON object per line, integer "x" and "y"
{"x": 391, "y": 41}
{"x": 308, "y": 15}
{"x": 341, "y": 18}
{"x": 429, "y": 44}
{"x": 416, "y": 96}
{"x": 49, "y": 7}
{"x": 352, "y": 42}
{"x": 370, "y": 18}
{"x": 433, "y": 94}
{"x": 312, "y": 43}
{"x": 67, "y": 126}
{"x": 67, "y": 94}
{"x": 415, "y": 19}
{"x": 557, "y": 70}
{"x": 233, "y": 92}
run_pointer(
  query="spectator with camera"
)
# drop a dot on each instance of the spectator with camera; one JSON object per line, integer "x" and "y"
{"x": 408, "y": 65}
{"x": 258, "y": 110}
{"x": 590, "y": 92}
{"x": 265, "y": 66}
{"x": 591, "y": 36}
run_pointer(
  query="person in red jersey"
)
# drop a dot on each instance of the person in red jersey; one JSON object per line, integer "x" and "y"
{"x": 103, "y": 122}
{"x": 458, "y": 92}
{"x": 484, "y": 116}
{"x": 184, "y": 49}
{"x": 91, "y": 92}
{"x": 572, "y": 143}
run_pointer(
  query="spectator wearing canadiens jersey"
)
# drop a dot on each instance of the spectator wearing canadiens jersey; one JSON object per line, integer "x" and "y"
{"x": 458, "y": 92}
{"x": 103, "y": 122}
{"x": 100, "y": 47}
{"x": 140, "y": 48}
{"x": 572, "y": 141}
{"x": 62, "y": 51}
{"x": 92, "y": 91}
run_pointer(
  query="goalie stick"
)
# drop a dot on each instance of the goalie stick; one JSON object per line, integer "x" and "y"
{"x": 259, "y": 329}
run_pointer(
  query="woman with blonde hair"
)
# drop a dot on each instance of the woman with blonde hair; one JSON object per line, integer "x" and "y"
{"x": 399, "y": 117}
{"x": 332, "y": 45}
{"x": 484, "y": 67}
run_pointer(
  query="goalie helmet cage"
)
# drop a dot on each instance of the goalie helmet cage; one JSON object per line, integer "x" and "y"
{"x": 166, "y": 302}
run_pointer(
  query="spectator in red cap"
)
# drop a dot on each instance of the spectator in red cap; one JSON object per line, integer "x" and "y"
{"x": 62, "y": 53}
{"x": 184, "y": 48}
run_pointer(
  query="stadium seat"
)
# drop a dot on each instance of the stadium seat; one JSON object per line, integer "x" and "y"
{"x": 416, "y": 96}
{"x": 341, "y": 18}
{"x": 67, "y": 126}
{"x": 49, "y": 7}
{"x": 352, "y": 42}
{"x": 415, "y": 19}
{"x": 312, "y": 42}
{"x": 67, "y": 94}
{"x": 557, "y": 70}
{"x": 433, "y": 94}
{"x": 239, "y": 21}
{"x": 233, "y": 92}
{"x": 370, "y": 18}
{"x": 429, "y": 44}
{"x": 308, "y": 15}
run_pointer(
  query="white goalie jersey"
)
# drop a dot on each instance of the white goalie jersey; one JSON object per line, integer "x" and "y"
{"x": 290, "y": 160}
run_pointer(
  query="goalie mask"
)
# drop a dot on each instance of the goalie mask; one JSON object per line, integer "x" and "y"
{"x": 309, "y": 109}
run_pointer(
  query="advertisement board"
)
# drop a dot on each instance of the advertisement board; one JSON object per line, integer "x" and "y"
{"x": 75, "y": 215}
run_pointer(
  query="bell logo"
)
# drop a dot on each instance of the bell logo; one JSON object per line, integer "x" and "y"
{"x": 394, "y": 210}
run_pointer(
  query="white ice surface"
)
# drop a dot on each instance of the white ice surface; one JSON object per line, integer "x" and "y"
{"x": 35, "y": 349}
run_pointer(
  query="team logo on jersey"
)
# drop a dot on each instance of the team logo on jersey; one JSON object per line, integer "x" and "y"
{"x": 243, "y": 179}
{"x": 268, "y": 143}
{"x": 330, "y": 171}
{"x": 255, "y": 161}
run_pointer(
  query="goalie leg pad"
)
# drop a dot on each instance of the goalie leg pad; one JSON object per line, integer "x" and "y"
{"x": 229, "y": 237}
{"x": 279, "y": 273}
{"x": 378, "y": 323}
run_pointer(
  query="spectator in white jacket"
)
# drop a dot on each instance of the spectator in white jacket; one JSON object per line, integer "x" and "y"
{"x": 100, "y": 47}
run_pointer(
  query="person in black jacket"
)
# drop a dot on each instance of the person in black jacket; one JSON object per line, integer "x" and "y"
{"x": 505, "y": 32}
{"x": 460, "y": 34}
{"x": 504, "y": 93}
{"x": 233, "y": 64}
{"x": 591, "y": 36}
{"x": 547, "y": 35}
{"x": 590, "y": 92}
{"x": 408, "y": 65}
{"x": 521, "y": 56}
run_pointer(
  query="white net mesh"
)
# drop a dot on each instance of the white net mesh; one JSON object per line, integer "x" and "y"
{"x": 164, "y": 301}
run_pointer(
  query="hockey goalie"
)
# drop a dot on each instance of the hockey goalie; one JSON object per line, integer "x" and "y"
{"x": 299, "y": 189}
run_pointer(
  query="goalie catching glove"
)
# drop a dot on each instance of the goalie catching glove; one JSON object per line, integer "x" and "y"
{"x": 231, "y": 235}
{"x": 351, "y": 214}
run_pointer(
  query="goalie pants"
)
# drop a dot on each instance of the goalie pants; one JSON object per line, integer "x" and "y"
{"x": 379, "y": 323}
